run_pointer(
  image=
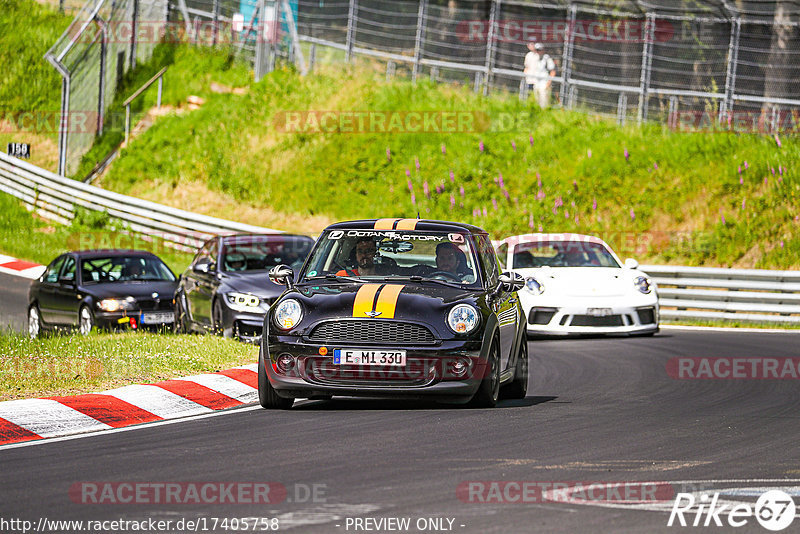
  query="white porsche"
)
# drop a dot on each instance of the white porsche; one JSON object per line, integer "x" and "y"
{"x": 575, "y": 284}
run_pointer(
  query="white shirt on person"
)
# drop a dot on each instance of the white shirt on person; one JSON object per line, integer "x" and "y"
{"x": 537, "y": 69}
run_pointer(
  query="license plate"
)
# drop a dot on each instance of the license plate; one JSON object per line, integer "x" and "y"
{"x": 382, "y": 357}
{"x": 157, "y": 318}
{"x": 598, "y": 312}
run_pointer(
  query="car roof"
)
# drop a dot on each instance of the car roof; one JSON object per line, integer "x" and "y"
{"x": 539, "y": 237}
{"x": 114, "y": 252}
{"x": 419, "y": 225}
{"x": 247, "y": 237}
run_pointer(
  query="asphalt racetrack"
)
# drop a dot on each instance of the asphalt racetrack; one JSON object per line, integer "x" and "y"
{"x": 597, "y": 410}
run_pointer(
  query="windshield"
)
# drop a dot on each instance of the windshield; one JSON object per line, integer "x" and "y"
{"x": 376, "y": 254}
{"x": 562, "y": 254}
{"x": 124, "y": 269}
{"x": 259, "y": 253}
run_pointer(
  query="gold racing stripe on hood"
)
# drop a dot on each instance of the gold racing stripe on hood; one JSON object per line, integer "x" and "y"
{"x": 407, "y": 224}
{"x": 364, "y": 299}
{"x": 385, "y": 224}
{"x": 387, "y": 300}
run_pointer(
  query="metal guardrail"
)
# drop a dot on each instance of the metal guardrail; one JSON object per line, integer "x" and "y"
{"x": 54, "y": 197}
{"x": 727, "y": 294}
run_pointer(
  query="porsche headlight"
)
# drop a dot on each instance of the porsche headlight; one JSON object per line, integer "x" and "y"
{"x": 462, "y": 318}
{"x": 244, "y": 302}
{"x": 119, "y": 304}
{"x": 643, "y": 284}
{"x": 288, "y": 314}
{"x": 533, "y": 286}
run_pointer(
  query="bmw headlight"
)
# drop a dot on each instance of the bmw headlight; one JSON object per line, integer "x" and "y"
{"x": 119, "y": 304}
{"x": 463, "y": 318}
{"x": 533, "y": 286}
{"x": 288, "y": 314}
{"x": 643, "y": 284}
{"x": 245, "y": 302}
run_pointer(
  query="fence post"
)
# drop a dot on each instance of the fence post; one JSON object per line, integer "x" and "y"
{"x": 730, "y": 75}
{"x": 134, "y": 24}
{"x": 273, "y": 40}
{"x": 647, "y": 61}
{"x": 63, "y": 131}
{"x": 351, "y": 29}
{"x": 215, "y": 30}
{"x": 672, "y": 118}
{"x": 421, "y": 15}
{"x": 490, "y": 39}
{"x": 261, "y": 41}
{"x": 566, "y": 55}
{"x": 312, "y": 57}
{"x": 101, "y": 86}
{"x": 622, "y": 105}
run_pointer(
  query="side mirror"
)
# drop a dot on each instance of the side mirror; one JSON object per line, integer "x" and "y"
{"x": 204, "y": 267}
{"x": 283, "y": 275}
{"x": 630, "y": 263}
{"x": 512, "y": 281}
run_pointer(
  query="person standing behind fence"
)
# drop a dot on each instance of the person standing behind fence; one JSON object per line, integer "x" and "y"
{"x": 540, "y": 69}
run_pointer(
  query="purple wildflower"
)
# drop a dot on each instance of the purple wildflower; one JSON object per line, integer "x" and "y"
{"x": 480, "y": 146}
{"x": 781, "y": 243}
{"x": 538, "y": 180}
{"x": 530, "y": 138}
{"x": 566, "y": 214}
{"x": 589, "y": 153}
{"x": 746, "y": 165}
{"x": 408, "y": 172}
{"x": 627, "y": 154}
{"x": 452, "y": 200}
{"x": 655, "y": 166}
{"x": 540, "y": 195}
{"x": 633, "y": 215}
{"x": 594, "y": 204}
{"x": 494, "y": 204}
{"x": 484, "y": 211}
{"x": 765, "y": 180}
{"x": 741, "y": 180}
{"x": 722, "y": 218}
{"x": 514, "y": 146}
{"x": 480, "y": 186}
{"x": 416, "y": 162}
{"x": 501, "y": 180}
{"x": 426, "y": 189}
{"x": 461, "y": 190}
{"x": 530, "y": 221}
{"x": 577, "y": 218}
{"x": 541, "y": 228}
{"x": 505, "y": 192}
{"x": 743, "y": 202}
{"x": 452, "y": 176}
{"x": 777, "y": 140}
{"x": 388, "y": 154}
{"x": 575, "y": 185}
{"x": 413, "y": 198}
{"x": 444, "y": 149}
{"x": 780, "y": 170}
{"x": 410, "y": 186}
{"x": 740, "y": 169}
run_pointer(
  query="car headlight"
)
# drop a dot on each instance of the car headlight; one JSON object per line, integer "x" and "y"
{"x": 288, "y": 314}
{"x": 533, "y": 286}
{"x": 462, "y": 318}
{"x": 244, "y": 302}
{"x": 112, "y": 305}
{"x": 643, "y": 284}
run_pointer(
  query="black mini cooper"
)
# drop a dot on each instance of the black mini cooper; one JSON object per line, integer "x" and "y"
{"x": 395, "y": 308}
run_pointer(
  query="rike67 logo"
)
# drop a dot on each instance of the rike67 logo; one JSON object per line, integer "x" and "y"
{"x": 774, "y": 510}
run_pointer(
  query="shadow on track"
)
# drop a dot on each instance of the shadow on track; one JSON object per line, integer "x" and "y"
{"x": 368, "y": 404}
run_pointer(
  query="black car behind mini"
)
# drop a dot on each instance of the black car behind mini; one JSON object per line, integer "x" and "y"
{"x": 226, "y": 289}
{"x": 105, "y": 288}
{"x": 395, "y": 308}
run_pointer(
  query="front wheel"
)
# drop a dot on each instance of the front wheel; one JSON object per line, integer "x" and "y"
{"x": 85, "y": 320}
{"x": 34, "y": 322}
{"x": 489, "y": 390}
{"x": 518, "y": 389}
{"x": 181, "y": 326}
{"x": 267, "y": 397}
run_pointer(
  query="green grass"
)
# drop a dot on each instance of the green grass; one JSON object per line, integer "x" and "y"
{"x": 730, "y": 324}
{"x": 665, "y": 203}
{"x": 70, "y": 364}
{"x": 26, "y": 237}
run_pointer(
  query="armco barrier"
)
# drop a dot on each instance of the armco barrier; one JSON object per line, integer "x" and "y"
{"x": 727, "y": 294}
{"x": 55, "y": 198}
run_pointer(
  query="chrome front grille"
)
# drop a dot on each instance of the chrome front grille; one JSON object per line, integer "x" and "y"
{"x": 372, "y": 331}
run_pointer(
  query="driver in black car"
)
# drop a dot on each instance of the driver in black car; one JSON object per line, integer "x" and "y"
{"x": 365, "y": 252}
{"x": 450, "y": 259}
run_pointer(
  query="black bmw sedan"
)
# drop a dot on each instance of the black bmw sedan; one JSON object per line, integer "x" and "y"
{"x": 226, "y": 289}
{"x": 395, "y": 308}
{"x": 104, "y": 288}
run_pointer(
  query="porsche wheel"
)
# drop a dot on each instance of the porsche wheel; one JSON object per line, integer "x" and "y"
{"x": 34, "y": 322}
{"x": 267, "y": 397}
{"x": 85, "y": 321}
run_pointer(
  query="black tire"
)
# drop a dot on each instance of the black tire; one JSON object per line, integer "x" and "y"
{"x": 217, "y": 326}
{"x": 267, "y": 397}
{"x": 489, "y": 391}
{"x": 181, "y": 327}
{"x": 518, "y": 388}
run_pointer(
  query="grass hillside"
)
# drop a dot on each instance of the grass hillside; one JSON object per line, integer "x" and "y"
{"x": 712, "y": 199}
